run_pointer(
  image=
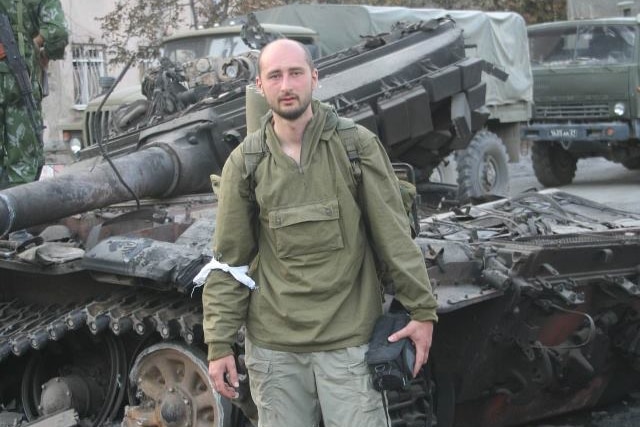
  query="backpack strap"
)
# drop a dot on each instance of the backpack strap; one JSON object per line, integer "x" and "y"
{"x": 348, "y": 133}
{"x": 254, "y": 149}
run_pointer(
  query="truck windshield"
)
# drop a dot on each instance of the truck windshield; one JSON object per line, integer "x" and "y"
{"x": 593, "y": 44}
{"x": 222, "y": 46}
{"x": 180, "y": 51}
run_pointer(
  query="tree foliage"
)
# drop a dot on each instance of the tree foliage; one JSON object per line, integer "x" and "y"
{"x": 137, "y": 23}
{"x": 134, "y": 24}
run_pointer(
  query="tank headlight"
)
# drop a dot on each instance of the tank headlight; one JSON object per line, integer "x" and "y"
{"x": 202, "y": 65}
{"x": 619, "y": 109}
{"x": 75, "y": 145}
{"x": 232, "y": 70}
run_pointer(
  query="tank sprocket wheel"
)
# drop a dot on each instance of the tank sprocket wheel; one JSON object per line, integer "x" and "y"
{"x": 170, "y": 384}
{"x": 81, "y": 372}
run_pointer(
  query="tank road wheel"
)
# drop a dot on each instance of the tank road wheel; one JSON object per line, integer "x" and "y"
{"x": 171, "y": 386}
{"x": 81, "y": 372}
{"x": 553, "y": 165}
{"x": 482, "y": 167}
{"x": 631, "y": 163}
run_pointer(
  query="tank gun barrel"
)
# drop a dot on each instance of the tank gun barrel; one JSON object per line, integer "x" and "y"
{"x": 157, "y": 171}
{"x": 415, "y": 89}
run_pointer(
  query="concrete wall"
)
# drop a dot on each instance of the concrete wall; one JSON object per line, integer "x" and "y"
{"x": 58, "y": 108}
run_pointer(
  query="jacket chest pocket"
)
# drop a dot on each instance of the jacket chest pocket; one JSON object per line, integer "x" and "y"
{"x": 307, "y": 229}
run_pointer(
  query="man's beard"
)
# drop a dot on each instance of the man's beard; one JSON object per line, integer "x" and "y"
{"x": 294, "y": 114}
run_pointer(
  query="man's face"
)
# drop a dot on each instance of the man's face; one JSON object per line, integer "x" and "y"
{"x": 286, "y": 79}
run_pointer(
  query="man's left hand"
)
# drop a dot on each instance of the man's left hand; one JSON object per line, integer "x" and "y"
{"x": 420, "y": 333}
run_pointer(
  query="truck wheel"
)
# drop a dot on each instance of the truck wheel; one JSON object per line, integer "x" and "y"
{"x": 632, "y": 163}
{"x": 553, "y": 165}
{"x": 482, "y": 167}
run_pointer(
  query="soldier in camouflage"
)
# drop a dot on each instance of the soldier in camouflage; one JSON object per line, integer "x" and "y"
{"x": 41, "y": 34}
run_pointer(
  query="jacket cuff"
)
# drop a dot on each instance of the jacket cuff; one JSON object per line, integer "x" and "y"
{"x": 424, "y": 315}
{"x": 218, "y": 351}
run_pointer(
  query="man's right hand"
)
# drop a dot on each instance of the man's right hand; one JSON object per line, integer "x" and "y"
{"x": 2, "y": 52}
{"x": 224, "y": 375}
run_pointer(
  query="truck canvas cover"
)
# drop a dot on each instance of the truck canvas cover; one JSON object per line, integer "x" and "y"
{"x": 497, "y": 37}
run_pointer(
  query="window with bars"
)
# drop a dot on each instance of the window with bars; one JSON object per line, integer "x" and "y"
{"x": 88, "y": 67}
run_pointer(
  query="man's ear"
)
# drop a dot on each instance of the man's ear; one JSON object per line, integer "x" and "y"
{"x": 314, "y": 78}
{"x": 259, "y": 84}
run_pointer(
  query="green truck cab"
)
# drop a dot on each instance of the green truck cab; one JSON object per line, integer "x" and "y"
{"x": 586, "y": 93}
{"x": 183, "y": 47}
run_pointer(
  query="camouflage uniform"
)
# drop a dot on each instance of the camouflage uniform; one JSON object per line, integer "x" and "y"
{"x": 21, "y": 155}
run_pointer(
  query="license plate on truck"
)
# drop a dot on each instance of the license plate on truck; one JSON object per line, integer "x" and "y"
{"x": 564, "y": 133}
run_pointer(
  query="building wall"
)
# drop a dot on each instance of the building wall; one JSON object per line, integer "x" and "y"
{"x": 58, "y": 108}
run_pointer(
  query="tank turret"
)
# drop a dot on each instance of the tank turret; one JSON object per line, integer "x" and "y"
{"x": 415, "y": 88}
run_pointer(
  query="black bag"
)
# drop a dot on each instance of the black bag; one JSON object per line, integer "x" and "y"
{"x": 391, "y": 364}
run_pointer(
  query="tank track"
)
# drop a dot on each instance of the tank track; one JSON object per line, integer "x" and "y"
{"x": 24, "y": 327}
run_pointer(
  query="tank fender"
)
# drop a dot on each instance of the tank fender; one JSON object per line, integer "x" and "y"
{"x": 160, "y": 265}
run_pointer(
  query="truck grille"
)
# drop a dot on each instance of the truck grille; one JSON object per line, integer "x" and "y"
{"x": 572, "y": 111}
{"x": 96, "y": 125}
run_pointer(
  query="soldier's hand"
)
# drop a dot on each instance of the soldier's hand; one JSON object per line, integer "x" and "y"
{"x": 42, "y": 56}
{"x": 38, "y": 41}
{"x": 421, "y": 334}
{"x": 224, "y": 376}
{"x": 2, "y": 52}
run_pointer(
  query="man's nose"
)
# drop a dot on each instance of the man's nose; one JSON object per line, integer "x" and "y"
{"x": 285, "y": 82}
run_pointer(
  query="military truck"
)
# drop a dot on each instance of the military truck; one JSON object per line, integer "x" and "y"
{"x": 497, "y": 37}
{"x": 481, "y": 168}
{"x": 586, "y": 91}
{"x": 182, "y": 47}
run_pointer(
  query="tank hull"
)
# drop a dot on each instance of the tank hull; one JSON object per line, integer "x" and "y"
{"x": 538, "y": 295}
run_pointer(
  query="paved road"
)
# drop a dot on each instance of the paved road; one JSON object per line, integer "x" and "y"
{"x": 596, "y": 179}
{"x": 611, "y": 184}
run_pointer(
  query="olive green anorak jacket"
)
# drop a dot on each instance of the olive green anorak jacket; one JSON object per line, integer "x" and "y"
{"x": 309, "y": 253}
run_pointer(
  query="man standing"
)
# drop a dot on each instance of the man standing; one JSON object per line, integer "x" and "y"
{"x": 40, "y": 33}
{"x": 300, "y": 225}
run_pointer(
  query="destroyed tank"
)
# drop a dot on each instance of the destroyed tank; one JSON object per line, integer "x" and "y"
{"x": 101, "y": 325}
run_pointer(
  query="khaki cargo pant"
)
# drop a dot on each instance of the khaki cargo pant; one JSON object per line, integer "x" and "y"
{"x": 294, "y": 389}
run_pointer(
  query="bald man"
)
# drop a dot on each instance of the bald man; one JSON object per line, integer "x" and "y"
{"x": 295, "y": 262}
